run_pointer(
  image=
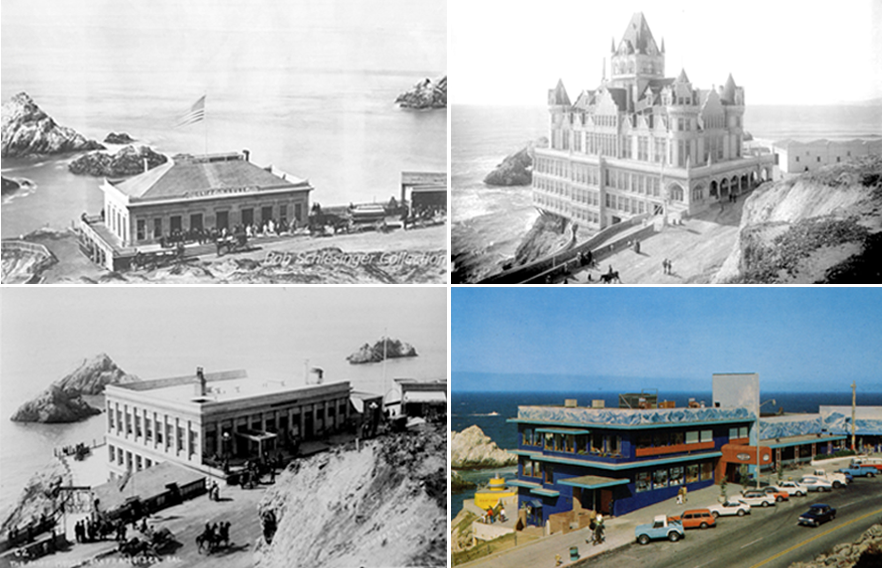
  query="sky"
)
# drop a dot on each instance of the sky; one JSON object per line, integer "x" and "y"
{"x": 796, "y": 338}
{"x": 157, "y": 332}
{"x": 782, "y": 52}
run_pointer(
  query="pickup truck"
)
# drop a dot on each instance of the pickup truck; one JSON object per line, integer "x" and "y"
{"x": 860, "y": 470}
{"x": 838, "y": 479}
{"x": 661, "y": 527}
{"x": 870, "y": 462}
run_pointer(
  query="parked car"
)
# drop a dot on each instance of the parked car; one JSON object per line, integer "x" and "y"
{"x": 730, "y": 508}
{"x": 660, "y": 527}
{"x": 776, "y": 493}
{"x": 838, "y": 479}
{"x": 793, "y": 488}
{"x": 696, "y": 519}
{"x": 813, "y": 483}
{"x": 871, "y": 462}
{"x": 860, "y": 471}
{"x": 756, "y": 498}
{"x": 817, "y": 515}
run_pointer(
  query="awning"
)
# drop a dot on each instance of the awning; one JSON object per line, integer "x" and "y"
{"x": 426, "y": 396}
{"x": 256, "y": 435}
{"x": 536, "y": 503}
{"x": 545, "y": 492}
{"x": 562, "y": 431}
{"x": 593, "y": 481}
{"x": 358, "y": 404}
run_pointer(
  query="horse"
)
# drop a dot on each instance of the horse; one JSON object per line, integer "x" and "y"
{"x": 610, "y": 277}
{"x": 207, "y": 541}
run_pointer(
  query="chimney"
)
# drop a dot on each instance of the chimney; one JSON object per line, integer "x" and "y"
{"x": 247, "y": 153}
{"x": 201, "y": 376}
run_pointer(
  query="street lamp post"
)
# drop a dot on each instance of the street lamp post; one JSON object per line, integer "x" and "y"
{"x": 758, "y": 440}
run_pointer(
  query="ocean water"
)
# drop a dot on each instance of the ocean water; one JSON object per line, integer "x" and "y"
{"x": 490, "y": 411}
{"x": 308, "y": 87}
{"x": 490, "y": 222}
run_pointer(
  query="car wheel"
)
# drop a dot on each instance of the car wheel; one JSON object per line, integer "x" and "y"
{"x": 643, "y": 539}
{"x": 801, "y": 494}
{"x": 716, "y": 515}
{"x": 674, "y": 536}
{"x": 765, "y": 503}
{"x": 740, "y": 512}
{"x": 779, "y": 498}
{"x": 837, "y": 484}
{"x": 871, "y": 475}
{"x": 703, "y": 526}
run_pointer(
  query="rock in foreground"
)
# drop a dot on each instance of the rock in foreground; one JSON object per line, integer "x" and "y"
{"x": 128, "y": 161}
{"x": 118, "y": 138}
{"x": 27, "y": 131}
{"x": 821, "y": 227}
{"x": 549, "y": 234}
{"x": 517, "y": 168}
{"x": 425, "y": 95}
{"x": 393, "y": 349}
{"x": 472, "y": 449}
{"x": 385, "y": 505}
{"x": 63, "y": 401}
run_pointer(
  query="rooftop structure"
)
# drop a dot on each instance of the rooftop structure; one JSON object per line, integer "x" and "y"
{"x": 796, "y": 157}
{"x": 642, "y": 144}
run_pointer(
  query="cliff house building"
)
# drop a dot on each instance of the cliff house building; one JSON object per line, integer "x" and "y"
{"x": 642, "y": 144}
{"x": 199, "y": 421}
{"x": 617, "y": 460}
{"x": 191, "y": 196}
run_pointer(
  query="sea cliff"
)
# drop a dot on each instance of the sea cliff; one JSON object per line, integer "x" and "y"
{"x": 821, "y": 227}
{"x": 393, "y": 349}
{"x": 472, "y": 449}
{"x": 28, "y": 131}
{"x": 517, "y": 168}
{"x": 425, "y": 95}
{"x": 63, "y": 401}
{"x": 385, "y": 503}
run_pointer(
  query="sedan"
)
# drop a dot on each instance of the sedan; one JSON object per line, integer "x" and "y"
{"x": 730, "y": 508}
{"x": 817, "y": 514}
{"x": 816, "y": 484}
{"x": 757, "y": 499}
{"x": 778, "y": 494}
{"x": 793, "y": 488}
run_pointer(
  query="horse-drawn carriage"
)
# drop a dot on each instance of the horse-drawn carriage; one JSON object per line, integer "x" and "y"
{"x": 155, "y": 544}
{"x": 232, "y": 243}
{"x": 158, "y": 258}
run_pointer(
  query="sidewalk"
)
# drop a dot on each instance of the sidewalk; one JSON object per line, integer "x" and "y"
{"x": 620, "y": 530}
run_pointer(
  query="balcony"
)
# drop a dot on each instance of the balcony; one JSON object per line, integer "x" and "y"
{"x": 674, "y": 449}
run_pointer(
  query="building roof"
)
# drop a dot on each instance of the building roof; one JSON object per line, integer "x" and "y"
{"x": 638, "y": 37}
{"x": 799, "y": 440}
{"x": 199, "y": 176}
{"x": 728, "y": 94}
{"x": 630, "y": 419}
{"x": 558, "y": 95}
{"x": 682, "y": 77}
{"x": 145, "y": 484}
{"x": 423, "y": 178}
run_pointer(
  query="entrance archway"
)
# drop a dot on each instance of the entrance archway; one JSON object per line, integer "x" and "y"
{"x": 724, "y": 188}
{"x": 713, "y": 188}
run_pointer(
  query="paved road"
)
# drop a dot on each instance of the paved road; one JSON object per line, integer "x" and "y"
{"x": 768, "y": 538}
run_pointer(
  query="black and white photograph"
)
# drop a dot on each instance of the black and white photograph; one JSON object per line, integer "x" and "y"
{"x": 223, "y": 426}
{"x": 215, "y": 142}
{"x": 667, "y": 143}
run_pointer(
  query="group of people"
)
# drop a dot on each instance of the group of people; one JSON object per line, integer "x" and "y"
{"x": 214, "y": 535}
{"x": 491, "y": 517}
{"x": 668, "y": 266}
{"x": 203, "y": 236}
{"x": 79, "y": 451}
{"x": 92, "y": 530}
{"x": 681, "y": 495}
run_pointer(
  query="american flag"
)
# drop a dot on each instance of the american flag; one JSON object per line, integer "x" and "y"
{"x": 195, "y": 114}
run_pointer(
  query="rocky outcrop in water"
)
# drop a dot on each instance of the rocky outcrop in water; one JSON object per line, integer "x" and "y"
{"x": 383, "y": 505}
{"x": 425, "y": 95}
{"x": 472, "y": 449}
{"x": 118, "y": 138}
{"x": 517, "y": 168}
{"x": 822, "y": 227}
{"x": 457, "y": 483}
{"x": 393, "y": 349}
{"x": 28, "y": 131}
{"x": 128, "y": 161}
{"x": 63, "y": 400}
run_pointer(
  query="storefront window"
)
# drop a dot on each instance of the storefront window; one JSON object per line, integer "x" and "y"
{"x": 643, "y": 482}
{"x": 558, "y": 443}
{"x": 596, "y": 444}
{"x": 528, "y": 437}
{"x": 707, "y": 471}
{"x": 659, "y": 439}
{"x": 659, "y": 478}
{"x": 644, "y": 440}
{"x": 692, "y": 473}
{"x": 707, "y": 435}
{"x": 527, "y": 467}
{"x": 677, "y": 475}
{"x": 615, "y": 445}
{"x": 570, "y": 442}
{"x": 691, "y": 437}
{"x": 549, "y": 441}
{"x": 678, "y": 438}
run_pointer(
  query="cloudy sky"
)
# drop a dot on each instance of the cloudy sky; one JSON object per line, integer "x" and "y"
{"x": 782, "y": 52}
{"x": 795, "y": 338}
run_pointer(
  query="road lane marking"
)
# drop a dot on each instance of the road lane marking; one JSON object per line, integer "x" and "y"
{"x": 817, "y": 536}
{"x": 753, "y": 542}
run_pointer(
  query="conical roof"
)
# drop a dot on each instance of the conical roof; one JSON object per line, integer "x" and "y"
{"x": 728, "y": 94}
{"x": 639, "y": 36}
{"x": 682, "y": 78}
{"x": 559, "y": 95}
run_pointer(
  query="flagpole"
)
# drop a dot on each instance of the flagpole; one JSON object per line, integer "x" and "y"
{"x": 205, "y": 129}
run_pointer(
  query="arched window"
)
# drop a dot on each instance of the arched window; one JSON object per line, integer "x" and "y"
{"x": 676, "y": 192}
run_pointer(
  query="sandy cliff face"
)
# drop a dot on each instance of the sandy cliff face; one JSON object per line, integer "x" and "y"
{"x": 472, "y": 449}
{"x": 63, "y": 402}
{"x": 27, "y": 130}
{"x": 820, "y": 227}
{"x": 385, "y": 505}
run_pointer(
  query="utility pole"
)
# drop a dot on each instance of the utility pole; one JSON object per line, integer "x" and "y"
{"x": 853, "y": 400}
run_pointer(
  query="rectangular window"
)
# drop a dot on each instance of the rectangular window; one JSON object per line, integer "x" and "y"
{"x": 659, "y": 439}
{"x": 692, "y": 437}
{"x": 742, "y": 432}
{"x": 643, "y": 482}
{"x": 109, "y": 418}
{"x": 549, "y": 473}
{"x": 157, "y": 228}
{"x": 119, "y": 420}
{"x": 192, "y": 442}
{"x": 141, "y": 229}
{"x": 707, "y": 435}
{"x": 678, "y": 438}
{"x": 148, "y": 428}
{"x": 677, "y": 475}
{"x": 128, "y": 421}
{"x": 570, "y": 443}
{"x": 659, "y": 478}
{"x": 733, "y": 433}
{"x": 128, "y": 460}
{"x": 169, "y": 435}
{"x": 692, "y": 473}
{"x": 137, "y": 424}
{"x": 119, "y": 456}
{"x": 707, "y": 471}
{"x": 138, "y": 463}
{"x": 111, "y": 451}
{"x": 549, "y": 441}
{"x": 644, "y": 441}
{"x": 180, "y": 445}
{"x": 158, "y": 430}
{"x": 526, "y": 467}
